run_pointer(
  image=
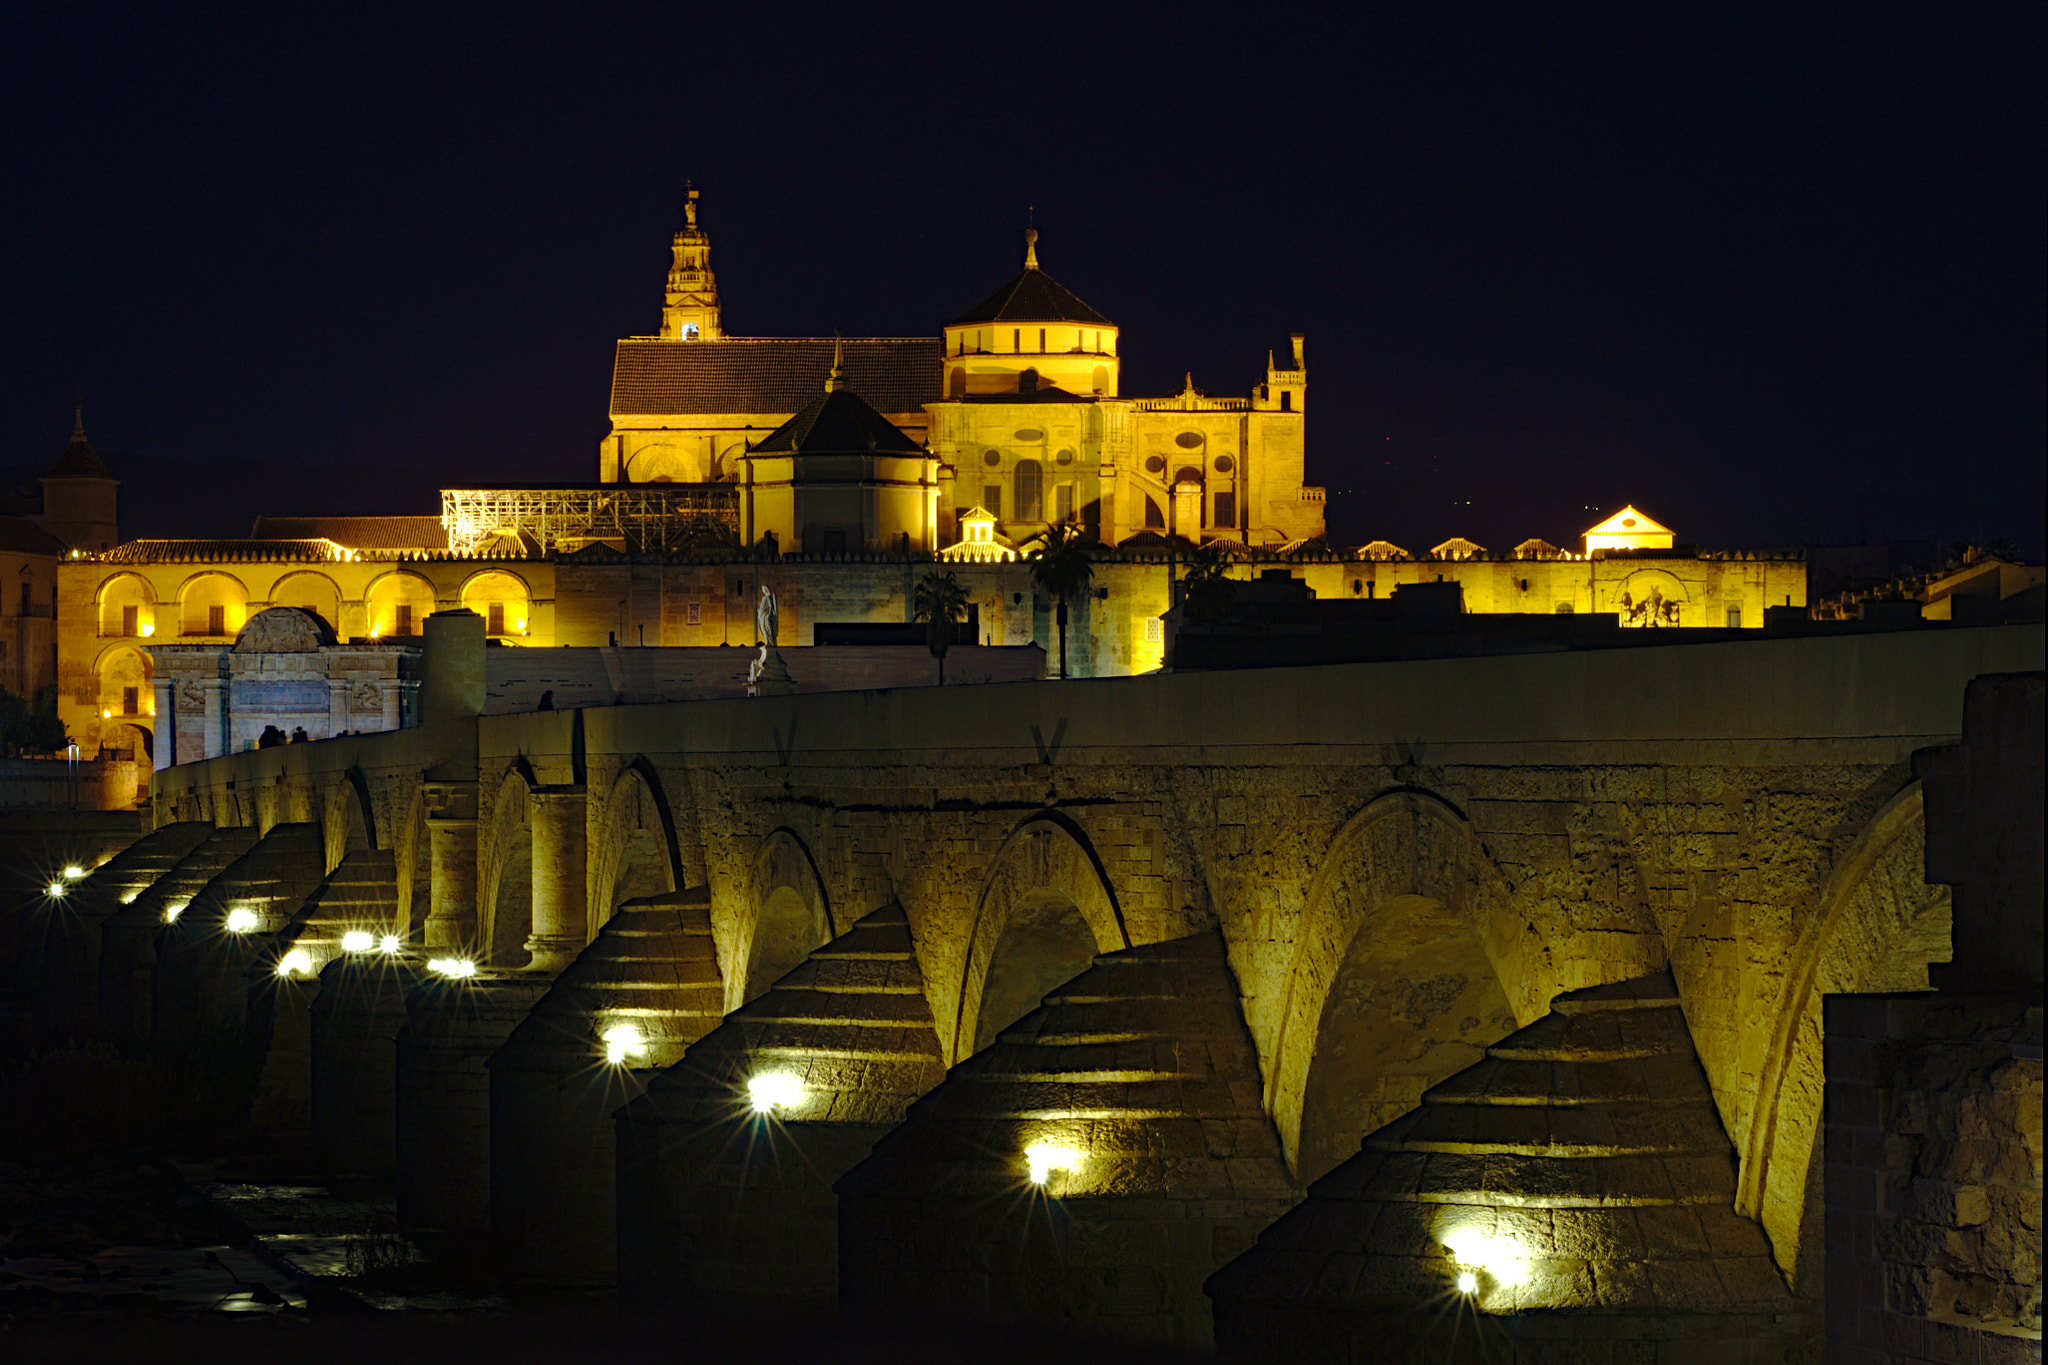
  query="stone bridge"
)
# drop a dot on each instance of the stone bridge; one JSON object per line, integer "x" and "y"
{"x": 1194, "y": 937}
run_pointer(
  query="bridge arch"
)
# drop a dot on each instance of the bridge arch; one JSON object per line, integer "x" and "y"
{"x": 635, "y": 853}
{"x": 505, "y": 876}
{"x": 1877, "y": 927}
{"x": 1396, "y": 982}
{"x": 791, "y": 914}
{"x": 348, "y": 820}
{"x": 1046, "y": 909}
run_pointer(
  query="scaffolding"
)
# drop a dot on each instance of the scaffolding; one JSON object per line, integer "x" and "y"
{"x": 644, "y": 516}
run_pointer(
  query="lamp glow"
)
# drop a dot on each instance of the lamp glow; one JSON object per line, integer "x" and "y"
{"x": 390, "y": 943}
{"x": 73, "y": 872}
{"x": 622, "y": 1041}
{"x": 356, "y": 941}
{"x": 297, "y": 962}
{"x": 1467, "y": 1282}
{"x": 171, "y": 912}
{"x": 241, "y": 921}
{"x": 1503, "y": 1258}
{"x": 56, "y": 888}
{"x": 148, "y": 629}
{"x": 455, "y": 968}
{"x": 1043, "y": 1158}
{"x": 775, "y": 1088}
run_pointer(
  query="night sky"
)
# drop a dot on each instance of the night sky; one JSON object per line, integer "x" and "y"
{"x": 1775, "y": 276}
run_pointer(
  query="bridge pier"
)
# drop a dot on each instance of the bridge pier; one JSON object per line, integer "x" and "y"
{"x": 559, "y": 932}
{"x": 356, "y": 1018}
{"x": 128, "y": 939}
{"x": 646, "y": 989}
{"x": 1092, "y": 1167}
{"x": 443, "y": 1093}
{"x": 721, "y": 1205}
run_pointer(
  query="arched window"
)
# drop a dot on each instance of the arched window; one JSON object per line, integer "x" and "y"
{"x": 956, "y": 386}
{"x": 1155, "y": 520}
{"x": 1101, "y": 379}
{"x": 1030, "y": 491}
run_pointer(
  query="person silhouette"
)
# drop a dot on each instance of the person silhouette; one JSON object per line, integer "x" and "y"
{"x": 547, "y": 700}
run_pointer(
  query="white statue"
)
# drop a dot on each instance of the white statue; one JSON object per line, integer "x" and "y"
{"x": 765, "y": 616}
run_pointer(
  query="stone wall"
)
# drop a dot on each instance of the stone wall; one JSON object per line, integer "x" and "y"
{"x": 1933, "y": 1179}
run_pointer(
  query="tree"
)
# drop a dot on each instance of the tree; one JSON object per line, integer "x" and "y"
{"x": 939, "y": 602}
{"x": 27, "y": 728}
{"x": 1207, "y": 590}
{"x": 1061, "y": 569}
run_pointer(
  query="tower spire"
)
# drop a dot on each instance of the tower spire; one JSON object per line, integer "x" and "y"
{"x": 690, "y": 311}
{"x": 78, "y": 420}
{"x": 833, "y": 383}
{"x": 1031, "y": 248}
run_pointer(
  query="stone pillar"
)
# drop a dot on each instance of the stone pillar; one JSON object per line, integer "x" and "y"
{"x": 165, "y": 742}
{"x": 388, "y": 694}
{"x": 559, "y": 934}
{"x": 337, "y": 705}
{"x": 451, "y": 838}
{"x": 216, "y": 690}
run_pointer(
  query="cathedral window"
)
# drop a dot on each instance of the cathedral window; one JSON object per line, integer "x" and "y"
{"x": 992, "y": 498}
{"x": 1041, "y": 338}
{"x": 131, "y": 701}
{"x": 216, "y": 620}
{"x": 1286, "y": 401}
{"x": 956, "y": 386}
{"x": 1226, "y": 509}
{"x": 689, "y": 331}
{"x": 1063, "y": 502}
{"x": 1030, "y": 491}
{"x": 130, "y": 618}
{"x": 495, "y": 616}
{"x": 1101, "y": 379}
{"x": 402, "y": 624}
{"x": 1016, "y": 338}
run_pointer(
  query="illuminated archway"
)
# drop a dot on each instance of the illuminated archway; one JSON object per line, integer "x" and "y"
{"x": 127, "y": 695}
{"x": 310, "y": 591}
{"x": 1405, "y": 914}
{"x": 127, "y": 607}
{"x": 1877, "y": 927}
{"x": 212, "y": 603}
{"x": 792, "y": 915}
{"x": 502, "y": 599}
{"x": 505, "y": 883}
{"x": 399, "y": 604}
{"x": 636, "y": 850}
{"x": 348, "y": 822}
{"x": 1045, "y": 911}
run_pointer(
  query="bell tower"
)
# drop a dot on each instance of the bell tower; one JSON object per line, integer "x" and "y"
{"x": 691, "y": 312}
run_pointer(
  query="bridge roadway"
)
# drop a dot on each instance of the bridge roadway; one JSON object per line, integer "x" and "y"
{"x": 1404, "y": 863}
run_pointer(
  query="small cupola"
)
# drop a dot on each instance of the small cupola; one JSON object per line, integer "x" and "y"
{"x": 1031, "y": 335}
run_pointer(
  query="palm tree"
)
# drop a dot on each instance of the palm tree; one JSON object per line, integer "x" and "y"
{"x": 939, "y": 602}
{"x": 1207, "y": 590}
{"x": 1061, "y": 569}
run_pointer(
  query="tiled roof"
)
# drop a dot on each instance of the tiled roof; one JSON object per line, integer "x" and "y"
{"x": 1032, "y": 296}
{"x": 221, "y": 551}
{"x": 24, "y": 537}
{"x": 768, "y": 375}
{"x": 80, "y": 461}
{"x": 358, "y": 533}
{"x": 837, "y": 423}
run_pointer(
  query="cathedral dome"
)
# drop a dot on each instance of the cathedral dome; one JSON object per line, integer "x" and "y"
{"x": 1031, "y": 295}
{"x": 1031, "y": 334}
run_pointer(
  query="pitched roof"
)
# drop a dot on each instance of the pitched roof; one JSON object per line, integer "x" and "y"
{"x": 79, "y": 460}
{"x": 836, "y": 423}
{"x": 1031, "y": 295}
{"x": 22, "y": 536}
{"x": 358, "y": 533}
{"x": 1629, "y": 522}
{"x": 221, "y": 551}
{"x": 768, "y": 375}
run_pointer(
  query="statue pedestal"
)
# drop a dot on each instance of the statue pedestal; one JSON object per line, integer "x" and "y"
{"x": 768, "y": 676}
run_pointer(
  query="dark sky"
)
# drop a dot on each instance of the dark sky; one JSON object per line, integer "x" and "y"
{"x": 1773, "y": 275}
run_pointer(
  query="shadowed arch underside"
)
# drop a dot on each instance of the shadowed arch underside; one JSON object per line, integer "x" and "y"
{"x": 1045, "y": 912}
